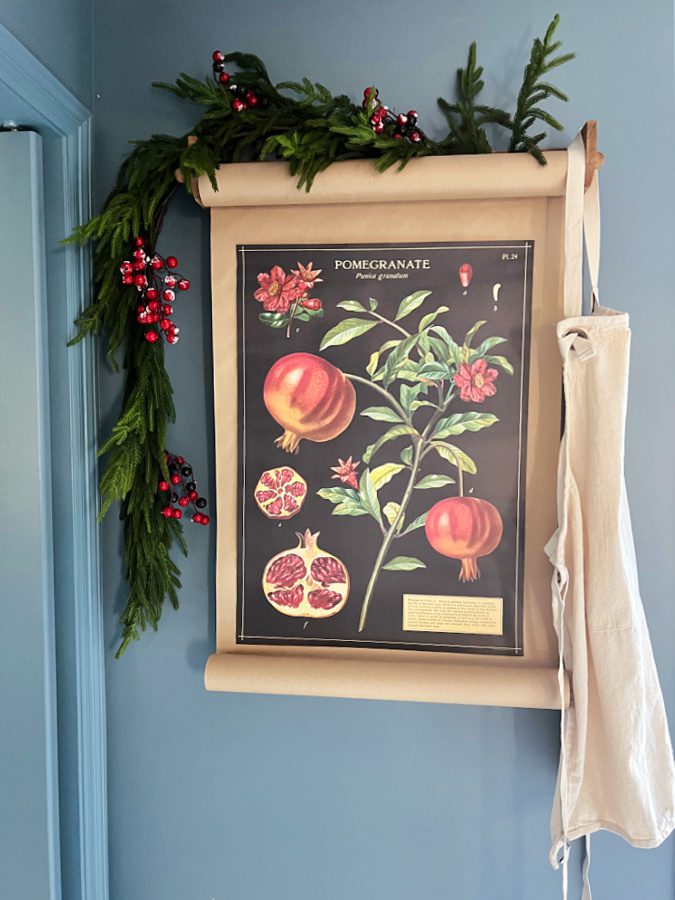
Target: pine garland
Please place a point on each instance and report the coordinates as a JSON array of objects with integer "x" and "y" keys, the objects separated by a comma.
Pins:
[{"x": 310, "y": 129}]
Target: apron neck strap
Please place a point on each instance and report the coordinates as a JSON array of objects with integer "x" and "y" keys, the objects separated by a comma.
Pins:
[{"x": 582, "y": 223}]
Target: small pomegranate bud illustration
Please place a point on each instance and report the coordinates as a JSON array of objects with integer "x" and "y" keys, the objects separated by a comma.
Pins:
[{"x": 306, "y": 581}]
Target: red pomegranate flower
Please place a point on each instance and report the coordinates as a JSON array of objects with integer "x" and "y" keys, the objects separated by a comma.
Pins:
[
  {"x": 346, "y": 472},
  {"x": 277, "y": 290},
  {"x": 476, "y": 381},
  {"x": 307, "y": 275}
]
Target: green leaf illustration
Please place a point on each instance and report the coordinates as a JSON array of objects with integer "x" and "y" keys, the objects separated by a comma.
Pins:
[
  {"x": 452, "y": 348},
  {"x": 404, "y": 564},
  {"x": 434, "y": 371},
  {"x": 347, "y": 501},
  {"x": 383, "y": 474},
  {"x": 434, "y": 481},
  {"x": 500, "y": 361},
  {"x": 471, "y": 333},
  {"x": 397, "y": 358},
  {"x": 455, "y": 456},
  {"x": 406, "y": 455},
  {"x": 381, "y": 414},
  {"x": 461, "y": 422},
  {"x": 409, "y": 394},
  {"x": 487, "y": 345},
  {"x": 417, "y": 403},
  {"x": 345, "y": 331},
  {"x": 274, "y": 320},
  {"x": 374, "y": 360},
  {"x": 368, "y": 496},
  {"x": 425, "y": 321},
  {"x": 351, "y": 306},
  {"x": 416, "y": 523},
  {"x": 372, "y": 302},
  {"x": 395, "y": 432},
  {"x": 410, "y": 303},
  {"x": 390, "y": 512}
]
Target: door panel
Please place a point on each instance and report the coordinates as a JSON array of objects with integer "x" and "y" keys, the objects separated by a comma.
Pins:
[{"x": 29, "y": 852}]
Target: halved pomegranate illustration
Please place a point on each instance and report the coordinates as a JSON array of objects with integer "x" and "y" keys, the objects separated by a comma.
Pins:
[
  {"x": 464, "y": 528},
  {"x": 310, "y": 398},
  {"x": 306, "y": 581},
  {"x": 280, "y": 493}
]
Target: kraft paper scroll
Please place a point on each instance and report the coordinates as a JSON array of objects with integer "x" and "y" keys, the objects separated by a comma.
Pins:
[{"x": 476, "y": 198}]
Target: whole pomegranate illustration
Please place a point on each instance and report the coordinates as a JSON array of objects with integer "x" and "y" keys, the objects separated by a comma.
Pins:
[
  {"x": 464, "y": 528},
  {"x": 280, "y": 493},
  {"x": 310, "y": 398},
  {"x": 306, "y": 581}
]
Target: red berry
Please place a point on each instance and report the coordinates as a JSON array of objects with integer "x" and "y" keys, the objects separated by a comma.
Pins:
[
  {"x": 138, "y": 254},
  {"x": 251, "y": 99},
  {"x": 172, "y": 338},
  {"x": 224, "y": 77},
  {"x": 164, "y": 324},
  {"x": 171, "y": 262},
  {"x": 177, "y": 514},
  {"x": 163, "y": 486},
  {"x": 217, "y": 56},
  {"x": 180, "y": 461},
  {"x": 170, "y": 281},
  {"x": 156, "y": 263},
  {"x": 401, "y": 119},
  {"x": 151, "y": 337},
  {"x": 197, "y": 518},
  {"x": 183, "y": 501},
  {"x": 154, "y": 305},
  {"x": 139, "y": 241},
  {"x": 412, "y": 114},
  {"x": 397, "y": 136},
  {"x": 127, "y": 279},
  {"x": 415, "y": 137},
  {"x": 238, "y": 106},
  {"x": 140, "y": 309},
  {"x": 205, "y": 520},
  {"x": 168, "y": 295},
  {"x": 379, "y": 128},
  {"x": 167, "y": 512},
  {"x": 183, "y": 285},
  {"x": 193, "y": 495},
  {"x": 175, "y": 478},
  {"x": 138, "y": 265},
  {"x": 167, "y": 309},
  {"x": 152, "y": 293},
  {"x": 140, "y": 280}
]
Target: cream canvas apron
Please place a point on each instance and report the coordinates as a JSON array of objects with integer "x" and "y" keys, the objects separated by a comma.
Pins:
[{"x": 616, "y": 763}]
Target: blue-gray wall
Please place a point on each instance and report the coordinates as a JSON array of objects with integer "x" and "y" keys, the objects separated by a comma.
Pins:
[
  {"x": 252, "y": 797},
  {"x": 59, "y": 34}
]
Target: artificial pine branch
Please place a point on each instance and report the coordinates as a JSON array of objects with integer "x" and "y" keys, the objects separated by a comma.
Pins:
[
  {"x": 535, "y": 91},
  {"x": 310, "y": 130}
]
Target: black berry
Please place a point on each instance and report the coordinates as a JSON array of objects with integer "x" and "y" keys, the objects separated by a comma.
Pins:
[
  {"x": 186, "y": 471},
  {"x": 191, "y": 486},
  {"x": 200, "y": 502}
]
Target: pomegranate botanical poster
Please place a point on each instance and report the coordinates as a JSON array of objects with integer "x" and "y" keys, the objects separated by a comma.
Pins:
[{"x": 383, "y": 420}]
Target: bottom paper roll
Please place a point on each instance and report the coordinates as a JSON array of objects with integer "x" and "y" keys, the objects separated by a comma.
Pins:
[{"x": 479, "y": 685}]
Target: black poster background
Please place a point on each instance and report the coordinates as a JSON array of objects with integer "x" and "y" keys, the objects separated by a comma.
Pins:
[{"x": 499, "y": 451}]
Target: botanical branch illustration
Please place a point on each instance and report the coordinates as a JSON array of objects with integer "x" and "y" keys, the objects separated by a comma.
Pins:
[{"x": 419, "y": 375}]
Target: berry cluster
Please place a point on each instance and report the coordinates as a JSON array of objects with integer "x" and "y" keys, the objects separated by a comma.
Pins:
[
  {"x": 403, "y": 125},
  {"x": 243, "y": 97},
  {"x": 181, "y": 478},
  {"x": 155, "y": 280}
]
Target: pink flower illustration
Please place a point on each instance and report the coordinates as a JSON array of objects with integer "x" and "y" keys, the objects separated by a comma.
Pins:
[
  {"x": 277, "y": 290},
  {"x": 306, "y": 275},
  {"x": 475, "y": 381},
  {"x": 346, "y": 472}
]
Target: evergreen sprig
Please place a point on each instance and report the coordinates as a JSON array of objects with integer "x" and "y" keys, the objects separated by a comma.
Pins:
[
  {"x": 534, "y": 92},
  {"x": 304, "y": 124}
]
